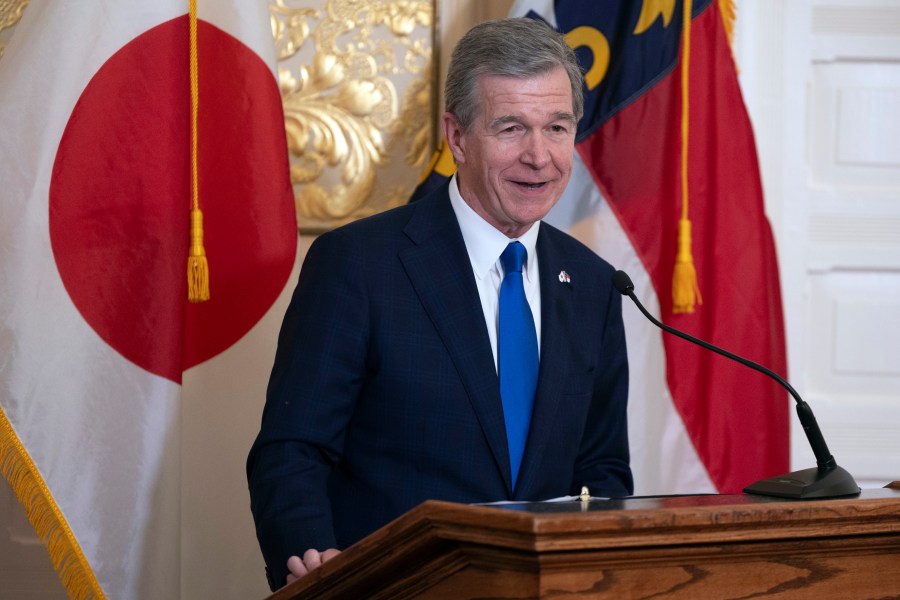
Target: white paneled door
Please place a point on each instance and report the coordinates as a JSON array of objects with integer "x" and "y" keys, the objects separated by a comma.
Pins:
[{"x": 822, "y": 81}]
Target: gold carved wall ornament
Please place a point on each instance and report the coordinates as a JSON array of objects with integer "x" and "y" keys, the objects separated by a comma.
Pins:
[
  {"x": 357, "y": 85},
  {"x": 10, "y": 13}
]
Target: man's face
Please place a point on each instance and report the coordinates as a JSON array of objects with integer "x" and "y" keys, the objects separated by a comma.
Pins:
[{"x": 515, "y": 160}]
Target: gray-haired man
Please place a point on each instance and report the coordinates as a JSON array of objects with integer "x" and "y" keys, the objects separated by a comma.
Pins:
[{"x": 392, "y": 383}]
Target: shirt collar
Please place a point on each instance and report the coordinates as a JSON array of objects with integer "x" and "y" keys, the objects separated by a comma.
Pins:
[{"x": 484, "y": 242}]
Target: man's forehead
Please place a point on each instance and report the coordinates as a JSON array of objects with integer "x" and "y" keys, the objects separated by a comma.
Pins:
[
  {"x": 558, "y": 115},
  {"x": 491, "y": 80},
  {"x": 505, "y": 99}
]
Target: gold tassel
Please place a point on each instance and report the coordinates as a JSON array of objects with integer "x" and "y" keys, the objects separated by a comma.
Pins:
[
  {"x": 685, "y": 291},
  {"x": 198, "y": 268}
]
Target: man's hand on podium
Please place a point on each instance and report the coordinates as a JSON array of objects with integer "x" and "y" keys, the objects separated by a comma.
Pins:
[{"x": 312, "y": 558}]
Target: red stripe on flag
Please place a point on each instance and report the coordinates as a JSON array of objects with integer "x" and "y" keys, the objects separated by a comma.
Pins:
[{"x": 737, "y": 419}]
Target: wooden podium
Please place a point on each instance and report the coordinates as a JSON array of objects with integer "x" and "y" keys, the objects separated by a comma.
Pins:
[{"x": 661, "y": 547}]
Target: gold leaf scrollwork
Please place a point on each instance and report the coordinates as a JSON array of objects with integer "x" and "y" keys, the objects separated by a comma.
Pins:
[
  {"x": 340, "y": 101},
  {"x": 333, "y": 120},
  {"x": 401, "y": 17},
  {"x": 10, "y": 13},
  {"x": 417, "y": 101}
]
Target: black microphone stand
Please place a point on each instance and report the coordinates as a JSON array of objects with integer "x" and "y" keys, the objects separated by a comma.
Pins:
[{"x": 827, "y": 480}]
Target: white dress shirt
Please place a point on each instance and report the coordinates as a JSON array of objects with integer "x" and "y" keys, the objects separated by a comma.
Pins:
[{"x": 485, "y": 244}]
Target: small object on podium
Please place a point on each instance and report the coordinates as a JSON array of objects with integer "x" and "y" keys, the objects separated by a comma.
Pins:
[{"x": 585, "y": 494}]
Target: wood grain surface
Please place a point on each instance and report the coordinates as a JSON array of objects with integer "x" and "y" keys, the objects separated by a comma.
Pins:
[{"x": 738, "y": 546}]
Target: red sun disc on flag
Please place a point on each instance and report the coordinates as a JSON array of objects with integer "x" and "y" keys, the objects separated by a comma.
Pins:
[{"x": 120, "y": 197}]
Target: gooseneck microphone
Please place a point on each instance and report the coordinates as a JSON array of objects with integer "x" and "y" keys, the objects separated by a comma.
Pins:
[{"x": 827, "y": 480}]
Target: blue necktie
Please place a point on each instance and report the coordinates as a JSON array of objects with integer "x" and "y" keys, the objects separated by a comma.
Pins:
[{"x": 517, "y": 355}]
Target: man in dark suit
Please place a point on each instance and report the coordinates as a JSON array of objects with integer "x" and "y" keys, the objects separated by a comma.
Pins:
[{"x": 395, "y": 379}]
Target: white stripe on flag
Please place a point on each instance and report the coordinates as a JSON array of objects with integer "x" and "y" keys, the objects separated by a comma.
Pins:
[
  {"x": 663, "y": 458},
  {"x": 103, "y": 433}
]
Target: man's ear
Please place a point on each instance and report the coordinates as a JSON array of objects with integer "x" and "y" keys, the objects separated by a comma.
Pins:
[{"x": 453, "y": 133}]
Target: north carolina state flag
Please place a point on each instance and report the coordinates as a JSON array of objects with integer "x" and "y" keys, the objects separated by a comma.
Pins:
[
  {"x": 95, "y": 328},
  {"x": 698, "y": 422}
]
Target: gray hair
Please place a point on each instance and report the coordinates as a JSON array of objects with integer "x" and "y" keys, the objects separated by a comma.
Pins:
[{"x": 518, "y": 47}]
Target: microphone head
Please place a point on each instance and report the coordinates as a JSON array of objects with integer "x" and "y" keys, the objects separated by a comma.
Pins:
[{"x": 622, "y": 282}]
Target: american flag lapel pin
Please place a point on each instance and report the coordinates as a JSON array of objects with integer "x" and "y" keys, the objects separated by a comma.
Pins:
[{"x": 564, "y": 277}]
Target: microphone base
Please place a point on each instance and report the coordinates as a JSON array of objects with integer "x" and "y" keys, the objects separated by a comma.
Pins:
[{"x": 807, "y": 484}]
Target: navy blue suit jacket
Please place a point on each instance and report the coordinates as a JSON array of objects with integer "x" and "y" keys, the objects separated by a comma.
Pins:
[{"x": 384, "y": 391}]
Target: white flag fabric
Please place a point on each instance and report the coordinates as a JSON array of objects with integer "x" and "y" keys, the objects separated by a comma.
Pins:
[
  {"x": 663, "y": 459},
  {"x": 95, "y": 328},
  {"x": 697, "y": 422}
]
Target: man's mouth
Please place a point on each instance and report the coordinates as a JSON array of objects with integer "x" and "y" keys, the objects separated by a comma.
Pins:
[{"x": 531, "y": 185}]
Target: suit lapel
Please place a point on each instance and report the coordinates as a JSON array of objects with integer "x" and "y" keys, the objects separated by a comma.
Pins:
[
  {"x": 556, "y": 322},
  {"x": 439, "y": 268}
]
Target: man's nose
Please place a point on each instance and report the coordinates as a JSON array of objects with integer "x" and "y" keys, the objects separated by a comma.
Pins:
[{"x": 536, "y": 152}]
